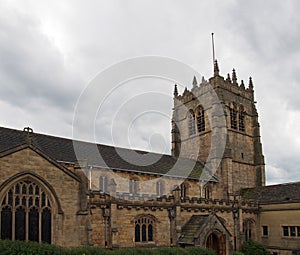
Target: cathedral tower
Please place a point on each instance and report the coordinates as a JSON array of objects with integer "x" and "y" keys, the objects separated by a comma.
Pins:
[{"x": 195, "y": 121}]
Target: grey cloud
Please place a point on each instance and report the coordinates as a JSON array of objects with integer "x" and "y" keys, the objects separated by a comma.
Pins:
[
  {"x": 259, "y": 38},
  {"x": 31, "y": 67}
]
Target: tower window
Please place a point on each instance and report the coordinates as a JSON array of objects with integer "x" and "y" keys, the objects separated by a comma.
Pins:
[
  {"x": 200, "y": 120},
  {"x": 192, "y": 129},
  {"x": 144, "y": 230},
  {"x": 233, "y": 117},
  {"x": 26, "y": 213},
  {"x": 242, "y": 119},
  {"x": 103, "y": 183}
]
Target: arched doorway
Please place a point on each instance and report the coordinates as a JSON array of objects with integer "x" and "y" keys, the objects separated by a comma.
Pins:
[{"x": 217, "y": 242}]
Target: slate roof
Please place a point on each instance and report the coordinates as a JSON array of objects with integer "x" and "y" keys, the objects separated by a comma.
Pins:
[
  {"x": 191, "y": 228},
  {"x": 287, "y": 192},
  {"x": 62, "y": 150}
]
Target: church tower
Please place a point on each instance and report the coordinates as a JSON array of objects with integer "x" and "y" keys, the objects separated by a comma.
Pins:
[{"x": 229, "y": 136}]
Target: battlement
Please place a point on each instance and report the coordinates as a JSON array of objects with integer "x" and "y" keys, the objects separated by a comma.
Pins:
[
  {"x": 151, "y": 202},
  {"x": 217, "y": 82}
]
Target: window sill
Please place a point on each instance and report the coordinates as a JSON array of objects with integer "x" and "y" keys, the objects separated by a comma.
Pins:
[{"x": 145, "y": 244}]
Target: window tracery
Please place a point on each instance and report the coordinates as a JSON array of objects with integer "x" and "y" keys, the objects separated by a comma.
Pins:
[
  {"x": 144, "y": 229},
  {"x": 26, "y": 213}
]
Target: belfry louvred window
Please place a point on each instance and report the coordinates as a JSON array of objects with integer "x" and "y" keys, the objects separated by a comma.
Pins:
[
  {"x": 200, "y": 119},
  {"x": 26, "y": 213},
  {"x": 233, "y": 116},
  {"x": 241, "y": 119}
]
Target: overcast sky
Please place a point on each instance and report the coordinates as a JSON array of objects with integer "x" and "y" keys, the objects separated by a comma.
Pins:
[{"x": 51, "y": 50}]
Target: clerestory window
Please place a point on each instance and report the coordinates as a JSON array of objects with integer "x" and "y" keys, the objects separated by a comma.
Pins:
[
  {"x": 132, "y": 186},
  {"x": 159, "y": 188},
  {"x": 103, "y": 184}
]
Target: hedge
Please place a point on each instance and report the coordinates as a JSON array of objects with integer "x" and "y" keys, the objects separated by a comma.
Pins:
[{"x": 32, "y": 248}]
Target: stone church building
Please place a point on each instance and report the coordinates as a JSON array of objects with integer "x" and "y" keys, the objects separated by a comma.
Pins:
[{"x": 210, "y": 192}]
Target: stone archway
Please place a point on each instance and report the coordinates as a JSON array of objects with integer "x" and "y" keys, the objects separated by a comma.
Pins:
[
  {"x": 206, "y": 231},
  {"x": 217, "y": 242}
]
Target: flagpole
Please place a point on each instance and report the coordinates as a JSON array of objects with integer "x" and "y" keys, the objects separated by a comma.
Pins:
[{"x": 213, "y": 47}]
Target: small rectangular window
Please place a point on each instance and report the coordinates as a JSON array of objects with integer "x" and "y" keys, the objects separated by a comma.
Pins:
[
  {"x": 285, "y": 231},
  {"x": 298, "y": 231},
  {"x": 265, "y": 230},
  {"x": 293, "y": 231}
]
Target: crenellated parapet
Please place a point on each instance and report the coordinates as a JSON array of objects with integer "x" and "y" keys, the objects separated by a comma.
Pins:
[{"x": 187, "y": 204}]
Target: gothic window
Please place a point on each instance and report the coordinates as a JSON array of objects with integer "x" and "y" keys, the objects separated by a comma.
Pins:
[
  {"x": 132, "y": 186},
  {"x": 241, "y": 119},
  {"x": 233, "y": 116},
  {"x": 183, "y": 190},
  {"x": 200, "y": 119},
  {"x": 248, "y": 225},
  {"x": 137, "y": 232},
  {"x": 26, "y": 213},
  {"x": 192, "y": 128},
  {"x": 159, "y": 188},
  {"x": 144, "y": 227},
  {"x": 103, "y": 183}
]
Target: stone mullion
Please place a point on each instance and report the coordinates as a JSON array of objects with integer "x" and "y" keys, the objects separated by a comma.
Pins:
[
  {"x": 147, "y": 231},
  {"x": 40, "y": 209},
  {"x": 13, "y": 209},
  {"x": 26, "y": 213}
]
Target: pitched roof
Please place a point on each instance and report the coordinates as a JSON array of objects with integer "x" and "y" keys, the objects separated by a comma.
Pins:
[
  {"x": 191, "y": 228},
  {"x": 197, "y": 225},
  {"x": 68, "y": 150},
  {"x": 287, "y": 192}
]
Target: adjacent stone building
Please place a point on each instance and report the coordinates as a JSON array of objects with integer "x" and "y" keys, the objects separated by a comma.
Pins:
[{"x": 210, "y": 192}]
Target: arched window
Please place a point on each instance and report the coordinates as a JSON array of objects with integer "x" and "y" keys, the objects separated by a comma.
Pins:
[
  {"x": 103, "y": 183},
  {"x": 248, "y": 225},
  {"x": 242, "y": 119},
  {"x": 183, "y": 190},
  {"x": 200, "y": 119},
  {"x": 144, "y": 229},
  {"x": 233, "y": 116},
  {"x": 132, "y": 186},
  {"x": 159, "y": 188},
  {"x": 26, "y": 213},
  {"x": 192, "y": 128}
]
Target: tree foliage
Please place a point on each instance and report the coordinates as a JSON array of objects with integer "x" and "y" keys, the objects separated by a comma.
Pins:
[{"x": 250, "y": 248}]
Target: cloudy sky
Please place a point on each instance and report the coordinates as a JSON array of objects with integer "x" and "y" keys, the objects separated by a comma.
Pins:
[{"x": 50, "y": 51}]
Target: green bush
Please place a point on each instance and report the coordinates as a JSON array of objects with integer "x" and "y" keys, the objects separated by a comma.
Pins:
[
  {"x": 237, "y": 253},
  {"x": 32, "y": 248},
  {"x": 250, "y": 248}
]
